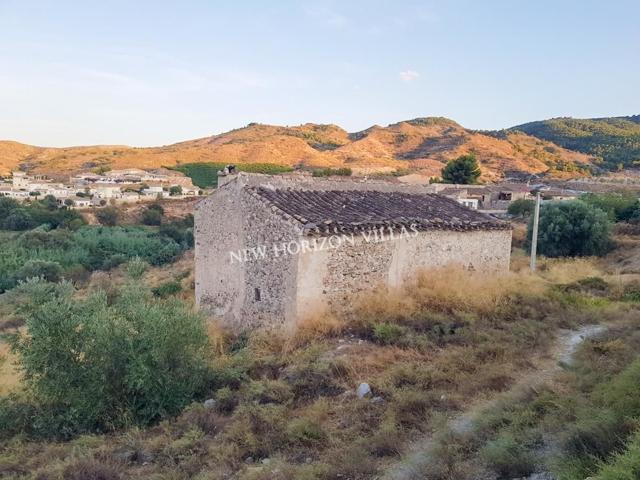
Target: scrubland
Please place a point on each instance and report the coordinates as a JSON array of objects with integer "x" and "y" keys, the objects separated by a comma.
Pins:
[{"x": 285, "y": 404}]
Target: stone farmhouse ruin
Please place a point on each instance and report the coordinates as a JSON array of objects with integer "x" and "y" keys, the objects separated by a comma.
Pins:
[{"x": 271, "y": 250}]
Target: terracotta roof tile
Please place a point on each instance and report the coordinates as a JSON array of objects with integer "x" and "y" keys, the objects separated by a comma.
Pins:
[{"x": 332, "y": 211}]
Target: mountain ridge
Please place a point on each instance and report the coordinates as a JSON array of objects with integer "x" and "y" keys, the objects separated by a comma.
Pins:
[
  {"x": 422, "y": 144},
  {"x": 613, "y": 141}
]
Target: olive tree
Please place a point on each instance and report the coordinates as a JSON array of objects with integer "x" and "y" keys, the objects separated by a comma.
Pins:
[{"x": 572, "y": 229}]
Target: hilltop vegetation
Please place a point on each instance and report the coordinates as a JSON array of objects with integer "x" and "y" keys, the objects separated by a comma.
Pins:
[
  {"x": 421, "y": 144},
  {"x": 615, "y": 140}
]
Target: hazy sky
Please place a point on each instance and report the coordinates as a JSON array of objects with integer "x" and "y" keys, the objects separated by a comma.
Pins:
[{"x": 144, "y": 72}]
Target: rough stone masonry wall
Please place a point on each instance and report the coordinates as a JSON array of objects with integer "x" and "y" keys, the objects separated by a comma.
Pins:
[
  {"x": 242, "y": 292},
  {"x": 270, "y": 282},
  {"x": 330, "y": 279},
  {"x": 218, "y": 230}
]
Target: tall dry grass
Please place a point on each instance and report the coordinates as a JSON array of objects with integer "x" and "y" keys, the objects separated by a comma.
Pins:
[
  {"x": 9, "y": 374},
  {"x": 454, "y": 289}
]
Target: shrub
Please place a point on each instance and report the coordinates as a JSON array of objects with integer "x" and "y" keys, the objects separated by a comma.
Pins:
[
  {"x": 90, "y": 470},
  {"x": 152, "y": 215},
  {"x": 305, "y": 432},
  {"x": 175, "y": 190},
  {"x": 108, "y": 216},
  {"x": 619, "y": 206},
  {"x": 167, "y": 289},
  {"x": 95, "y": 364},
  {"x": 462, "y": 170},
  {"x": 508, "y": 457},
  {"x": 388, "y": 333},
  {"x": 521, "y": 207},
  {"x": 49, "y": 271},
  {"x": 625, "y": 465},
  {"x": 327, "y": 172},
  {"x": 572, "y": 228}
]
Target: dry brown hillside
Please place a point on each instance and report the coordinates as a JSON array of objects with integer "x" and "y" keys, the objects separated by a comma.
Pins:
[{"x": 423, "y": 144}]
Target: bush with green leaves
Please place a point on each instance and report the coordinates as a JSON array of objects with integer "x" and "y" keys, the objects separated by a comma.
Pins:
[
  {"x": 167, "y": 289},
  {"x": 48, "y": 271},
  {"x": 572, "y": 229},
  {"x": 92, "y": 248},
  {"x": 619, "y": 206},
  {"x": 463, "y": 170},
  {"x": 27, "y": 215},
  {"x": 521, "y": 207},
  {"x": 152, "y": 215},
  {"x": 175, "y": 190},
  {"x": 100, "y": 363},
  {"x": 108, "y": 216}
]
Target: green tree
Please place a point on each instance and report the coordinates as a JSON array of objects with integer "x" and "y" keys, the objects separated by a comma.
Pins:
[
  {"x": 521, "y": 208},
  {"x": 462, "y": 170},
  {"x": 152, "y": 216},
  {"x": 175, "y": 190},
  {"x": 619, "y": 206},
  {"x": 572, "y": 229},
  {"x": 108, "y": 216},
  {"x": 98, "y": 363}
]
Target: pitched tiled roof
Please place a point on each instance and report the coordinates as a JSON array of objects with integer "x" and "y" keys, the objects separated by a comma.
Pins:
[{"x": 322, "y": 212}]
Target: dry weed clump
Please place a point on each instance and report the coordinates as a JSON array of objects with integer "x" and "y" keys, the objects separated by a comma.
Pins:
[
  {"x": 313, "y": 327},
  {"x": 447, "y": 290}
]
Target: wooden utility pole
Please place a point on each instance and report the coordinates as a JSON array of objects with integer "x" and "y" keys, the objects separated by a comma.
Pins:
[{"x": 534, "y": 236}]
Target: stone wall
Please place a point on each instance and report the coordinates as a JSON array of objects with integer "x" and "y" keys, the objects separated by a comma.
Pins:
[
  {"x": 232, "y": 283},
  {"x": 330, "y": 279},
  {"x": 245, "y": 290}
]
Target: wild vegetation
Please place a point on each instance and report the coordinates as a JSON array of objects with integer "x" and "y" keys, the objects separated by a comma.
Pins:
[
  {"x": 54, "y": 242},
  {"x": 327, "y": 172},
  {"x": 282, "y": 405},
  {"x": 117, "y": 376},
  {"x": 615, "y": 140},
  {"x": 25, "y": 216}
]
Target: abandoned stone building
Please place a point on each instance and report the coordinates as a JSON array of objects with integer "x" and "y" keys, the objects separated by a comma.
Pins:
[{"x": 272, "y": 250}]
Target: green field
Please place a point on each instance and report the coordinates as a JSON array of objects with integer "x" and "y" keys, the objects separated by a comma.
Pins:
[{"x": 205, "y": 175}]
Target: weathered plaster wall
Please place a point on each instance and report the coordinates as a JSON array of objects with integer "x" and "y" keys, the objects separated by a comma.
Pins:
[{"x": 329, "y": 279}]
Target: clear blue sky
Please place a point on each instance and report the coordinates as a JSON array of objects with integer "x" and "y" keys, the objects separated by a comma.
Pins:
[{"x": 144, "y": 72}]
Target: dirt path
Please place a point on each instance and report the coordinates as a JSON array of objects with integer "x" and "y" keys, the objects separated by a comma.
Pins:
[{"x": 419, "y": 456}]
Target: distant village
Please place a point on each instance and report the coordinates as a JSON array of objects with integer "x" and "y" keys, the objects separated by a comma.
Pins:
[
  {"x": 133, "y": 185},
  {"x": 87, "y": 190}
]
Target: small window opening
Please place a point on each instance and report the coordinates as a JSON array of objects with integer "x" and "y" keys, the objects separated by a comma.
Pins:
[{"x": 256, "y": 293}]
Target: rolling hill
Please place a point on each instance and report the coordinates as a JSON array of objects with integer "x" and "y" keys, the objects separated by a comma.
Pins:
[
  {"x": 422, "y": 144},
  {"x": 615, "y": 141}
]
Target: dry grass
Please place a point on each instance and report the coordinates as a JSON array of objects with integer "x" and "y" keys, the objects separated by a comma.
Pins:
[
  {"x": 449, "y": 289},
  {"x": 314, "y": 327},
  {"x": 9, "y": 375}
]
